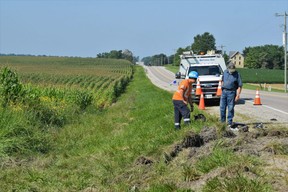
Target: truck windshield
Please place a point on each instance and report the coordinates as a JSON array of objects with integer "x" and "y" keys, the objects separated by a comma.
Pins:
[{"x": 206, "y": 70}]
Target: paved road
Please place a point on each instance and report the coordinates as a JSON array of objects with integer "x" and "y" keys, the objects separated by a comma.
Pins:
[{"x": 274, "y": 105}]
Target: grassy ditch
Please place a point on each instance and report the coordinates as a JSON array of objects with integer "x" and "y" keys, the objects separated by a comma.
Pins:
[{"x": 125, "y": 147}]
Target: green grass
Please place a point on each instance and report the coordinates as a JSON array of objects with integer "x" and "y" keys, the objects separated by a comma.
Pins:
[
  {"x": 255, "y": 87},
  {"x": 172, "y": 68},
  {"x": 237, "y": 183},
  {"x": 102, "y": 146},
  {"x": 262, "y": 75},
  {"x": 99, "y": 150},
  {"x": 218, "y": 158}
]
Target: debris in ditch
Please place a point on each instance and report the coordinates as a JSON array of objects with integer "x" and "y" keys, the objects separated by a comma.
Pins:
[
  {"x": 134, "y": 188},
  {"x": 143, "y": 161},
  {"x": 273, "y": 119},
  {"x": 200, "y": 117},
  {"x": 274, "y": 133},
  {"x": 229, "y": 134},
  {"x": 177, "y": 149},
  {"x": 192, "y": 140},
  {"x": 208, "y": 134},
  {"x": 241, "y": 127},
  {"x": 258, "y": 126},
  {"x": 192, "y": 152},
  {"x": 244, "y": 128}
]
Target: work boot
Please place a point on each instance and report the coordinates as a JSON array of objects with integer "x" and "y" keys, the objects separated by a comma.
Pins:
[
  {"x": 232, "y": 127},
  {"x": 177, "y": 127},
  {"x": 187, "y": 123}
]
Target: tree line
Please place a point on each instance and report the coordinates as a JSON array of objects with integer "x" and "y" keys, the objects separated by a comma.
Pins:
[
  {"x": 119, "y": 54},
  {"x": 265, "y": 56},
  {"x": 202, "y": 43}
]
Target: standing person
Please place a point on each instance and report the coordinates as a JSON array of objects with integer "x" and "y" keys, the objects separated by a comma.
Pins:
[
  {"x": 231, "y": 89},
  {"x": 181, "y": 98}
]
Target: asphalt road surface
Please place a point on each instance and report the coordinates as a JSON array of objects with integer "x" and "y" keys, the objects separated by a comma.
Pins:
[{"x": 274, "y": 108}]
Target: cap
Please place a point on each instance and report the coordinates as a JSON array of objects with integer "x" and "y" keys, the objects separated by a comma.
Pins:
[{"x": 231, "y": 66}]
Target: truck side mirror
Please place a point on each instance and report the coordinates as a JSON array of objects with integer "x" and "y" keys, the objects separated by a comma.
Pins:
[{"x": 178, "y": 75}]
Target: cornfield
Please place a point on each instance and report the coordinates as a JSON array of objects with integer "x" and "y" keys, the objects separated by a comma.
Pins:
[
  {"x": 40, "y": 93},
  {"x": 60, "y": 77}
]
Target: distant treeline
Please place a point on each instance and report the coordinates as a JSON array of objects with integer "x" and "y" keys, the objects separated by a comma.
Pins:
[
  {"x": 159, "y": 59},
  {"x": 119, "y": 54}
]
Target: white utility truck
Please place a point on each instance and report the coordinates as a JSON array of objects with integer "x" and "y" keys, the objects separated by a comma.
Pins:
[{"x": 210, "y": 68}]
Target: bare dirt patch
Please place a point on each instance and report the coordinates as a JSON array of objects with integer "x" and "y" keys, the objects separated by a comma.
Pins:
[{"x": 269, "y": 146}]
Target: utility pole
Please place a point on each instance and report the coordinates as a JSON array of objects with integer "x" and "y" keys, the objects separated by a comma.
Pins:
[
  {"x": 285, "y": 48},
  {"x": 222, "y": 46}
]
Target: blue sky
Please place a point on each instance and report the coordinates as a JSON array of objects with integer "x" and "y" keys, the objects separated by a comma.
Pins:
[{"x": 145, "y": 27}]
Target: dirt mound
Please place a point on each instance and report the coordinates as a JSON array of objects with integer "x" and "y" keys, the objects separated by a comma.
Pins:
[
  {"x": 192, "y": 140},
  {"x": 269, "y": 146}
]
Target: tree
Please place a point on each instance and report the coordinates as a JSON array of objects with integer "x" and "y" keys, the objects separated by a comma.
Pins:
[
  {"x": 203, "y": 43},
  {"x": 128, "y": 55},
  {"x": 170, "y": 59},
  {"x": 267, "y": 56},
  {"x": 160, "y": 59},
  {"x": 226, "y": 58},
  {"x": 146, "y": 60},
  {"x": 135, "y": 59},
  {"x": 179, "y": 52},
  {"x": 114, "y": 54}
]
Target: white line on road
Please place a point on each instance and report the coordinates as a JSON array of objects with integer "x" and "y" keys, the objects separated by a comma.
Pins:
[{"x": 272, "y": 108}]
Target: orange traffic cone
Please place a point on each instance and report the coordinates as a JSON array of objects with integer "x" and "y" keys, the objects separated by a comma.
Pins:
[
  {"x": 257, "y": 100},
  {"x": 201, "y": 102},
  {"x": 198, "y": 88},
  {"x": 219, "y": 89}
]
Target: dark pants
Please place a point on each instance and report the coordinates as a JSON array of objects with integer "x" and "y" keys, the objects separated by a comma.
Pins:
[
  {"x": 181, "y": 110},
  {"x": 227, "y": 101}
]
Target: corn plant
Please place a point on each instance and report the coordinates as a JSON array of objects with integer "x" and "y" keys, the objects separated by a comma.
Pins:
[{"x": 11, "y": 88}]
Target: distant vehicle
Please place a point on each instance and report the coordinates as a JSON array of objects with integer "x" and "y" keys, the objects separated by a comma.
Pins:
[{"x": 210, "y": 68}]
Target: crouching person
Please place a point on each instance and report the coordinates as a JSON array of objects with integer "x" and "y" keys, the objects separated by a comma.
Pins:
[{"x": 181, "y": 98}]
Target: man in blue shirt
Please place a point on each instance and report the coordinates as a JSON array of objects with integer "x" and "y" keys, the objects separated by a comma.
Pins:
[{"x": 231, "y": 89}]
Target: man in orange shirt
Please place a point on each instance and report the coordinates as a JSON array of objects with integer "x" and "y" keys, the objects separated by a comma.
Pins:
[{"x": 181, "y": 98}]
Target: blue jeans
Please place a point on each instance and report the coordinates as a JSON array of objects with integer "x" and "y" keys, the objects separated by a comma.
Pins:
[{"x": 227, "y": 100}]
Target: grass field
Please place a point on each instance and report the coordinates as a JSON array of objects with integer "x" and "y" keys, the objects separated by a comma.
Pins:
[
  {"x": 262, "y": 75},
  {"x": 127, "y": 146},
  {"x": 172, "y": 68}
]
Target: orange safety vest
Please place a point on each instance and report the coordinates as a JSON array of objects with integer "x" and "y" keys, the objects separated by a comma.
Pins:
[{"x": 186, "y": 87}]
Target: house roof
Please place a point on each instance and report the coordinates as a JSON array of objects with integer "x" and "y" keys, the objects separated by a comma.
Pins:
[{"x": 233, "y": 53}]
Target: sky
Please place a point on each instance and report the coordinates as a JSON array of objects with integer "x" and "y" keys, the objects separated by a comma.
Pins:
[{"x": 146, "y": 27}]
